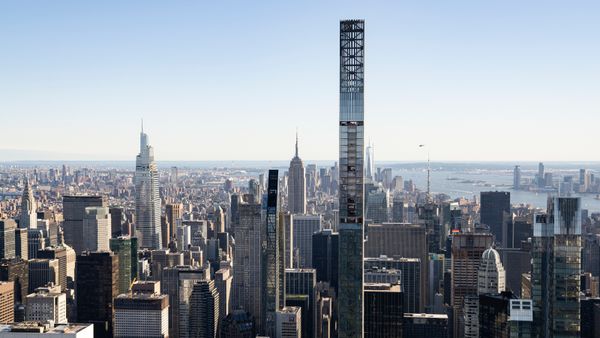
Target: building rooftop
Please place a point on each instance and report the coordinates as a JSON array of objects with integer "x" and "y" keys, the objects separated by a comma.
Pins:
[
  {"x": 47, "y": 328},
  {"x": 425, "y": 315}
]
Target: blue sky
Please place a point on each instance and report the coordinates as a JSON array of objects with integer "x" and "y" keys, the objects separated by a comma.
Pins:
[{"x": 220, "y": 80}]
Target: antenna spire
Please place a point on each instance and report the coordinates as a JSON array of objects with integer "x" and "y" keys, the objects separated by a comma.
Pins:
[
  {"x": 142, "y": 125},
  {"x": 296, "y": 142}
]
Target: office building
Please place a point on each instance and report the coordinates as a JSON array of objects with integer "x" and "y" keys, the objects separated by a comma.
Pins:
[
  {"x": 425, "y": 325},
  {"x": 177, "y": 282},
  {"x": 272, "y": 270},
  {"x": 7, "y": 302},
  {"x": 15, "y": 270},
  {"x": 42, "y": 272},
  {"x": 383, "y": 310},
  {"x": 495, "y": 213},
  {"x": 7, "y": 238},
  {"x": 96, "y": 229},
  {"x": 377, "y": 206},
  {"x": 247, "y": 281},
  {"x": 517, "y": 178},
  {"x": 325, "y": 251},
  {"x": 467, "y": 250},
  {"x": 223, "y": 283},
  {"x": 147, "y": 199},
  {"x": 491, "y": 277},
  {"x": 41, "y": 330},
  {"x": 142, "y": 313},
  {"x": 297, "y": 185},
  {"x": 96, "y": 286},
  {"x": 401, "y": 240},
  {"x": 35, "y": 242},
  {"x": 304, "y": 226},
  {"x": 173, "y": 211},
  {"x": 556, "y": 267},
  {"x": 28, "y": 218},
  {"x": 46, "y": 304},
  {"x": 204, "y": 310},
  {"x": 21, "y": 244},
  {"x": 494, "y": 314},
  {"x": 409, "y": 272},
  {"x": 351, "y": 176},
  {"x": 126, "y": 248},
  {"x": 238, "y": 324},
  {"x": 117, "y": 219},
  {"x": 370, "y": 163},
  {"x": 288, "y": 323},
  {"x": 302, "y": 283},
  {"x": 73, "y": 213},
  {"x": 66, "y": 262},
  {"x": 520, "y": 318}
]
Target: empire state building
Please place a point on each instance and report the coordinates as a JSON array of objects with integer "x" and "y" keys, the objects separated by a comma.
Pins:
[{"x": 147, "y": 199}]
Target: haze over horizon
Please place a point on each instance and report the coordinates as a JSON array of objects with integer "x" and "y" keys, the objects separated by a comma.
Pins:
[{"x": 506, "y": 81}]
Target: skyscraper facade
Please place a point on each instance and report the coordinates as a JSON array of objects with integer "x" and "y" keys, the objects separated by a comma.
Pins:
[
  {"x": 126, "y": 248},
  {"x": 147, "y": 199},
  {"x": 370, "y": 163},
  {"x": 495, "y": 213},
  {"x": 247, "y": 281},
  {"x": 204, "y": 310},
  {"x": 383, "y": 310},
  {"x": 467, "y": 250},
  {"x": 28, "y": 209},
  {"x": 96, "y": 229},
  {"x": 271, "y": 267},
  {"x": 97, "y": 275},
  {"x": 297, "y": 185},
  {"x": 351, "y": 195},
  {"x": 73, "y": 213},
  {"x": 7, "y": 238},
  {"x": 303, "y": 227},
  {"x": 556, "y": 268}
]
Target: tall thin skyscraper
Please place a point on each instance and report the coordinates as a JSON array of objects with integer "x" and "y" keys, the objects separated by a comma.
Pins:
[
  {"x": 147, "y": 199},
  {"x": 248, "y": 251},
  {"x": 297, "y": 185},
  {"x": 350, "y": 298},
  {"x": 272, "y": 268},
  {"x": 28, "y": 208},
  {"x": 370, "y": 163}
]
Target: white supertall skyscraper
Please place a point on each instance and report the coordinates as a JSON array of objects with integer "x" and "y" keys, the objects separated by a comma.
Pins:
[
  {"x": 147, "y": 199},
  {"x": 28, "y": 218}
]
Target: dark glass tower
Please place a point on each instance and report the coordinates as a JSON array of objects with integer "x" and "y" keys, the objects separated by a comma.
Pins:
[
  {"x": 350, "y": 298},
  {"x": 272, "y": 268},
  {"x": 495, "y": 213}
]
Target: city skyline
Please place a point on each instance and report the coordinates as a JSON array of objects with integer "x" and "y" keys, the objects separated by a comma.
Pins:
[{"x": 470, "y": 65}]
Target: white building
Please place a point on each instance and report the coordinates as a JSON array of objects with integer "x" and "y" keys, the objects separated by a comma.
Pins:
[
  {"x": 39, "y": 330},
  {"x": 147, "y": 199},
  {"x": 142, "y": 313},
  {"x": 288, "y": 323},
  {"x": 28, "y": 218},
  {"x": 46, "y": 304},
  {"x": 491, "y": 277},
  {"x": 96, "y": 229}
]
